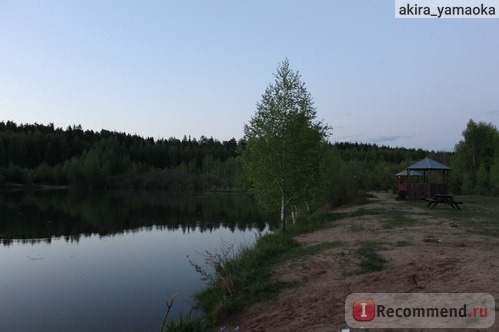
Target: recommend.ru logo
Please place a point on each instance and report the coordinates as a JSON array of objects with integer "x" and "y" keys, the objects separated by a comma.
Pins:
[{"x": 420, "y": 310}]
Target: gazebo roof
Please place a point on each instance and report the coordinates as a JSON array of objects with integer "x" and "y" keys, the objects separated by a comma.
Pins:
[
  {"x": 428, "y": 164},
  {"x": 409, "y": 172}
]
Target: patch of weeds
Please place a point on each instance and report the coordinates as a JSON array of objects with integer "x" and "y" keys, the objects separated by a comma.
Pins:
[
  {"x": 370, "y": 259},
  {"x": 484, "y": 228},
  {"x": 304, "y": 251},
  {"x": 402, "y": 244},
  {"x": 375, "y": 245},
  {"x": 311, "y": 223},
  {"x": 363, "y": 259},
  {"x": 366, "y": 212},
  {"x": 187, "y": 323},
  {"x": 397, "y": 219},
  {"x": 237, "y": 276},
  {"x": 356, "y": 228},
  {"x": 345, "y": 263}
]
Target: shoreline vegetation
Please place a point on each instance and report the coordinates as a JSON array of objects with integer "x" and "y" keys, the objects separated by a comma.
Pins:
[
  {"x": 239, "y": 276},
  {"x": 34, "y": 187},
  {"x": 45, "y": 187}
]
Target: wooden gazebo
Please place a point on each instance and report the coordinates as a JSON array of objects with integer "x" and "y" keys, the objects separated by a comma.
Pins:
[
  {"x": 403, "y": 180},
  {"x": 435, "y": 179}
]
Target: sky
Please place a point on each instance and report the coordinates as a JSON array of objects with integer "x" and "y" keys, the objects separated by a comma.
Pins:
[{"x": 172, "y": 68}]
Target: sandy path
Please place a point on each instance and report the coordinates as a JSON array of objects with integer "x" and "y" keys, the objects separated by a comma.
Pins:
[{"x": 440, "y": 258}]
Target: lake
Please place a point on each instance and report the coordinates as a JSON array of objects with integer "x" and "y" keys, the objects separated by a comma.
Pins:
[{"x": 109, "y": 261}]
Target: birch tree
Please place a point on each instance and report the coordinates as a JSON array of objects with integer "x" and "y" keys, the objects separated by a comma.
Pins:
[{"x": 284, "y": 155}]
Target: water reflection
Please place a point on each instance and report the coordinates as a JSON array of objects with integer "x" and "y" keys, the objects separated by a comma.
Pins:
[
  {"x": 40, "y": 216},
  {"x": 107, "y": 261}
]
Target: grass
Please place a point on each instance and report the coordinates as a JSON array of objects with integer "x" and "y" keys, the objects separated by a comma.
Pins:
[
  {"x": 396, "y": 219},
  {"x": 478, "y": 214},
  {"x": 370, "y": 259},
  {"x": 345, "y": 263},
  {"x": 363, "y": 259},
  {"x": 366, "y": 212},
  {"x": 391, "y": 218},
  {"x": 300, "y": 252},
  {"x": 402, "y": 243},
  {"x": 241, "y": 276},
  {"x": 356, "y": 228},
  {"x": 187, "y": 323},
  {"x": 312, "y": 222}
]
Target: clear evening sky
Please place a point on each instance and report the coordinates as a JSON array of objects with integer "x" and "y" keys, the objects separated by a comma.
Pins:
[{"x": 173, "y": 68}]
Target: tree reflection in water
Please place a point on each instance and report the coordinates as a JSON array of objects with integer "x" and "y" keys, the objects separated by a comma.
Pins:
[{"x": 34, "y": 217}]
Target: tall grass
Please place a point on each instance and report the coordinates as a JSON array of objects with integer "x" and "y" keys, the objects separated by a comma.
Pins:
[
  {"x": 240, "y": 275},
  {"x": 187, "y": 323}
]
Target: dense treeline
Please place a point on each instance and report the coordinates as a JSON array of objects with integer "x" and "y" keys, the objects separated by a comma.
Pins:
[
  {"x": 475, "y": 166},
  {"x": 41, "y": 154},
  {"x": 35, "y": 154}
]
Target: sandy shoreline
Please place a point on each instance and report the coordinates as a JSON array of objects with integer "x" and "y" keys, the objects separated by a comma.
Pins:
[{"x": 430, "y": 255}]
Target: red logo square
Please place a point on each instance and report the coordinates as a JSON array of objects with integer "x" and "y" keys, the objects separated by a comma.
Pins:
[{"x": 363, "y": 310}]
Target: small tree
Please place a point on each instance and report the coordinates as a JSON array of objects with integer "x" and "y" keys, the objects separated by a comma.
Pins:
[{"x": 284, "y": 156}]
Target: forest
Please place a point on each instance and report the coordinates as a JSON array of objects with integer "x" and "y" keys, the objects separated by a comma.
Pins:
[
  {"x": 34, "y": 154},
  {"x": 39, "y": 156}
]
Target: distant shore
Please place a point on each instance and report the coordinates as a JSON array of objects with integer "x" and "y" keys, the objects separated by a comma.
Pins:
[{"x": 35, "y": 187}]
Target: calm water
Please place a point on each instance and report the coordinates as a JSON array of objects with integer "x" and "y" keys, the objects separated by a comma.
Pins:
[{"x": 108, "y": 261}]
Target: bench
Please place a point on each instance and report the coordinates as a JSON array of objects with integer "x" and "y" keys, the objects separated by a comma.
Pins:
[{"x": 447, "y": 199}]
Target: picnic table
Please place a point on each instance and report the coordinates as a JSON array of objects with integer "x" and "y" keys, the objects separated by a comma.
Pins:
[{"x": 447, "y": 199}]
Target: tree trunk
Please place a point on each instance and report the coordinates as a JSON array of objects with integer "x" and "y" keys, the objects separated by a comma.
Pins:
[
  {"x": 294, "y": 213},
  {"x": 283, "y": 220}
]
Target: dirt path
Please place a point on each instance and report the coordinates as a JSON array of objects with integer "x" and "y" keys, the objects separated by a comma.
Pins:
[{"x": 434, "y": 256}]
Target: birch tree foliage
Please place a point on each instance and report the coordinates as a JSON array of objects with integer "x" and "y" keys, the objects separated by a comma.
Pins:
[{"x": 284, "y": 156}]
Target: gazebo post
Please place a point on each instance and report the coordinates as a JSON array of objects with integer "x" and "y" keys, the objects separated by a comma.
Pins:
[
  {"x": 410, "y": 188},
  {"x": 428, "y": 194},
  {"x": 425, "y": 179}
]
